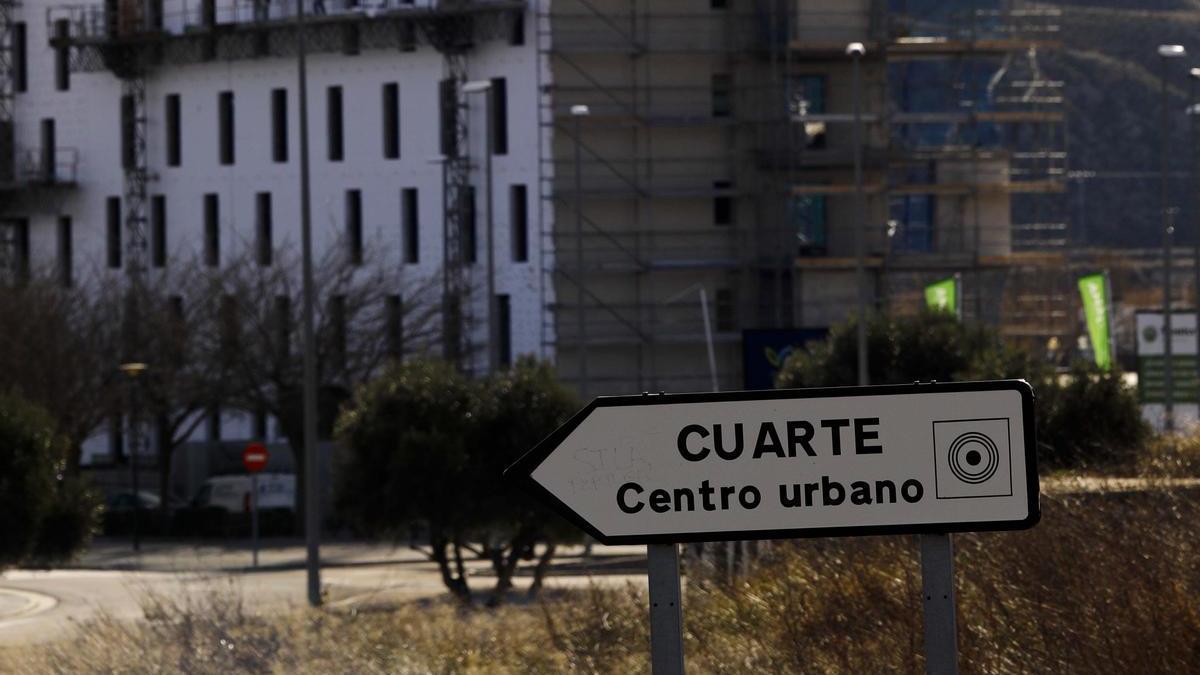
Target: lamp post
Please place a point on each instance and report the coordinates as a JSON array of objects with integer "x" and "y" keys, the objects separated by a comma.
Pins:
[
  {"x": 856, "y": 50},
  {"x": 485, "y": 87},
  {"x": 312, "y": 492},
  {"x": 1166, "y": 53},
  {"x": 1193, "y": 111},
  {"x": 578, "y": 112},
  {"x": 132, "y": 370}
]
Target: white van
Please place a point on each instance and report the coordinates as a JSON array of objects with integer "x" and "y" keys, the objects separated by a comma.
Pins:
[{"x": 276, "y": 491}]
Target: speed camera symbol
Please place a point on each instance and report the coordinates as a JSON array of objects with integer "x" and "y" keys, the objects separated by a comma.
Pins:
[{"x": 972, "y": 458}]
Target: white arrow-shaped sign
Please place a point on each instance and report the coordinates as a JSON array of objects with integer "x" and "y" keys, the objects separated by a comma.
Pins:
[{"x": 947, "y": 457}]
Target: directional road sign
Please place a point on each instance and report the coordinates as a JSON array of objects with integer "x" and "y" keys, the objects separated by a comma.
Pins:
[{"x": 946, "y": 457}]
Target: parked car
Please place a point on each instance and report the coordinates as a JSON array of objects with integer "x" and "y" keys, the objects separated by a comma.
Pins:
[
  {"x": 221, "y": 507},
  {"x": 119, "y": 508}
]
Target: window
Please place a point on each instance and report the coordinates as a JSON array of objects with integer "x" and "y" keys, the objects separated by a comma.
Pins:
[
  {"x": 333, "y": 119},
  {"x": 158, "y": 231},
  {"x": 725, "y": 309},
  {"x": 518, "y": 218},
  {"x": 21, "y": 234},
  {"x": 62, "y": 55},
  {"x": 65, "y": 251},
  {"x": 411, "y": 225},
  {"x": 447, "y": 116},
  {"x": 391, "y": 121},
  {"x": 337, "y": 326},
  {"x": 263, "y": 246},
  {"x": 283, "y": 329},
  {"x": 913, "y": 215},
  {"x": 516, "y": 35},
  {"x": 49, "y": 151},
  {"x": 722, "y": 203},
  {"x": 279, "y": 125},
  {"x": 128, "y": 119},
  {"x": 20, "y": 48},
  {"x": 722, "y": 95},
  {"x": 394, "y": 315},
  {"x": 468, "y": 239},
  {"x": 808, "y": 97},
  {"x": 499, "y": 112},
  {"x": 503, "y": 330},
  {"x": 354, "y": 229},
  {"x": 212, "y": 230},
  {"x": 806, "y": 218},
  {"x": 225, "y": 127},
  {"x": 112, "y": 209},
  {"x": 171, "y": 115}
]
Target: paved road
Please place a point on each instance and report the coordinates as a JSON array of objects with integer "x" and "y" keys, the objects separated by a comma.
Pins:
[{"x": 45, "y": 605}]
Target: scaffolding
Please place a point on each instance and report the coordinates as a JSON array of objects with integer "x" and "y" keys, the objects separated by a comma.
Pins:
[{"x": 764, "y": 140}]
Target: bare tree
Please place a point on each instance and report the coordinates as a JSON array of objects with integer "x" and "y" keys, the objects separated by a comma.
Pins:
[{"x": 365, "y": 314}]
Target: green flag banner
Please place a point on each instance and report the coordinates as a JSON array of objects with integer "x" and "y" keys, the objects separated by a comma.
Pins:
[
  {"x": 941, "y": 296},
  {"x": 1094, "y": 290}
]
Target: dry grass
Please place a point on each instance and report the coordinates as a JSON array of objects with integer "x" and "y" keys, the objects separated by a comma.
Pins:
[{"x": 1105, "y": 584}]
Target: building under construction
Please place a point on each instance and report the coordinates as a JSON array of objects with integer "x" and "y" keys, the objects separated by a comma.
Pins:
[{"x": 716, "y": 157}]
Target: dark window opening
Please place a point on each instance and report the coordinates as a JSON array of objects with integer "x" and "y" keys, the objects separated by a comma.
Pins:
[
  {"x": 128, "y": 119},
  {"x": 722, "y": 95},
  {"x": 20, "y": 49},
  {"x": 21, "y": 235},
  {"x": 518, "y": 210},
  {"x": 65, "y": 252},
  {"x": 225, "y": 130},
  {"x": 447, "y": 116},
  {"x": 411, "y": 225},
  {"x": 516, "y": 36},
  {"x": 158, "y": 231},
  {"x": 62, "y": 55},
  {"x": 212, "y": 230},
  {"x": 499, "y": 112},
  {"x": 171, "y": 115},
  {"x": 468, "y": 242},
  {"x": 807, "y": 220},
  {"x": 914, "y": 218},
  {"x": 354, "y": 227},
  {"x": 112, "y": 210},
  {"x": 49, "y": 151},
  {"x": 808, "y": 97},
  {"x": 391, "y": 121},
  {"x": 263, "y": 245},
  {"x": 279, "y": 125},
  {"x": 503, "y": 330},
  {"x": 722, "y": 203},
  {"x": 333, "y": 119}
]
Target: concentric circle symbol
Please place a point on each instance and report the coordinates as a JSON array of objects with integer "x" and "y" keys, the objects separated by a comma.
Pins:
[{"x": 973, "y": 457}]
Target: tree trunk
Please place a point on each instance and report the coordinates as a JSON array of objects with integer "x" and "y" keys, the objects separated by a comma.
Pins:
[
  {"x": 539, "y": 571},
  {"x": 458, "y": 587}
]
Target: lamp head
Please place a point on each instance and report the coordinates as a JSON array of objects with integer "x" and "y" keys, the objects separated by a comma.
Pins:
[
  {"x": 580, "y": 110},
  {"x": 1171, "y": 51},
  {"x": 856, "y": 49}
]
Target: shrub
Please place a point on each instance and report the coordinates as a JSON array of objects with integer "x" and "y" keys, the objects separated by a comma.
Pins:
[
  {"x": 43, "y": 517},
  {"x": 1084, "y": 418},
  {"x": 421, "y": 444}
]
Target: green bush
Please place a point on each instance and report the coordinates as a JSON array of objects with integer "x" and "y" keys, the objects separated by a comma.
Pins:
[
  {"x": 422, "y": 445},
  {"x": 43, "y": 516},
  {"x": 1085, "y": 418}
]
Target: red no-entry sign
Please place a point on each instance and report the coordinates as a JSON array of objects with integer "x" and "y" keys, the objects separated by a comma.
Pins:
[{"x": 255, "y": 457}]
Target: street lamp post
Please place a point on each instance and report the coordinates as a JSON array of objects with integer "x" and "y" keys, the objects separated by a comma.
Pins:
[
  {"x": 485, "y": 87},
  {"x": 1167, "y": 52},
  {"x": 132, "y": 370},
  {"x": 312, "y": 491},
  {"x": 856, "y": 50},
  {"x": 578, "y": 112},
  {"x": 1193, "y": 112}
]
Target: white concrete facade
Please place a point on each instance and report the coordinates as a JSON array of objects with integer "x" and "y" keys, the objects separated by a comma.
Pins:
[{"x": 87, "y": 118}]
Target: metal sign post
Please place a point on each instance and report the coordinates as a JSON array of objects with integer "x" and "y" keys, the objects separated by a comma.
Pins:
[
  {"x": 666, "y": 609},
  {"x": 254, "y": 516},
  {"x": 937, "y": 596}
]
